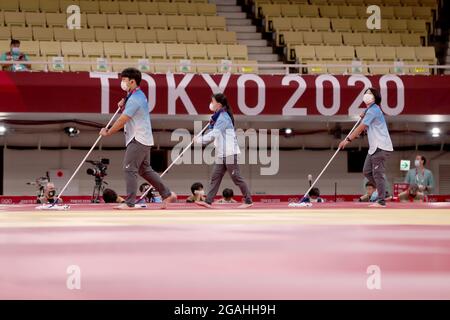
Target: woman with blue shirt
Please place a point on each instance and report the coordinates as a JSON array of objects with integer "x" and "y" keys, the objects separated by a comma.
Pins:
[
  {"x": 226, "y": 148},
  {"x": 380, "y": 144}
]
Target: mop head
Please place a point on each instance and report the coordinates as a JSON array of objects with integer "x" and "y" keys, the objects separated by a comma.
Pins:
[
  {"x": 300, "y": 204},
  {"x": 56, "y": 207}
]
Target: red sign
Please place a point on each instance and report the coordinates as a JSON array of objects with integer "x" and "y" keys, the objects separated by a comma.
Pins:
[{"x": 248, "y": 94}]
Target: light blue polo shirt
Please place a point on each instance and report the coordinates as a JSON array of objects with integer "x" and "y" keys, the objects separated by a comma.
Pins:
[
  {"x": 377, "y": 130},
  {"x": 139, "y": 126}
]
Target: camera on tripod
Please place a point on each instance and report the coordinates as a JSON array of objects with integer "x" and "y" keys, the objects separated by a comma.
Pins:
[
  {"x": 99, "y": 169},
  {"x": 99, "y": 172}
]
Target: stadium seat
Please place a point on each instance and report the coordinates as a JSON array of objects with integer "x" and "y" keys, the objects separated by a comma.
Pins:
[
  {"x": 385, "y": 53},
  {"x": 216, "y": 23},
  {"x": 157, "y": 22},
  {"x": 48, "y": 6},
  {"x": 15, "y": 19},
  {"x": 56, "y": 19},
  {"x": 196, "y": 23},
  {"x": 217, "y": 51},
  {"x": 35, "y": 19},
  {"x": 29, "y": 5},
  {"x": 398, "y": 26},
  {"x": 356, "y": 2},
  {"x": 89, "y": 6},
  {"x": 403, "y": 12},
  {"x": 291, "y": 39},
  {"x": 186, "y": 36},
  {"x": 366, "y": 53},
  {"x": 176, "y": 51},
  {"x": 155, "y": 50},
  {"x": 114, "y": 49},
  {"x": 352, "y": 39},
  {"x": 392, "y": 40},
  {"x": 329, "y": 11},
  {"x": 43, "y": 34},
  {"x": 148, "y": 8},
  {"x": 337, "y": 69},
  {"x": 206, "y": 9},
  {"x": 405, "y": 53},
  {"x": 424, "y": 13},
  {"x": 63, "y": 34},
  {"x": 288, "y": 10},
  {"x": 166, "y": 36},
  {"x": 196, "y": 51},
  {"x": 411, "y": 40},
  {"x": 117, "y": 21},
  {"x": 187, "y": 9},
  {"x": 5, "y": 45},
  {"x": 30, "y": 47},
  {"x": 311, "y": 11},
  {"x": 237, "y": 52},
  {"x": 146, "y": 36},
  {"x": 92, "y": 49},
  {"x": 96, "y": 20},
  {"x": 281, "y": 24},
  {"x": 417, "y": 26},
  {"x": 358, "y": 25},
  {"x": 348, "y": 12},
  {"x": 344, "y": 53},
  {"x": 304, "y": 54},
  {"x": 22, "y": 33},
  {"x": 301, "y": 24},
  {"x": 207, "y": 68},
  {"x": 341, "y": 25},
  {"x": 226, "y": 37},
  {"x": 387, "y": 13},
  {"x": 325, "y": 53},
  {"x": 105, "y": 35},
  {"x": 137, "y": 21},
  {"x": 167, "y": 8},
  {"x": 65, "y": 4},
  {"x": 271, "y": 10},
  {"x": 87, "y": 66},
  {"x": 128, "y": 7},
  {"x": 118, "y": 64},
  {"x": 312, "y": 38},
  {"x": 124, "y": 35},
  {"x": 164, "y": 68},
  {"x": 426, "y": 54},
  {"x": 38, "y": 66},
  {"x": 109, "y": 7},
  {"x": 71, "y": 49},
  {"x": 177, "y": 22},
  {"x": 50, "y": 48},
  {"x": 5, "y": 33},
  {"x": 372, "y": 39},
  {"x": 332, "y": 38},
  {"x": 206, "y": 37},
  {"x": 135, "y": 50},
  {"x": 2, "y": 19},
  {"x": 320, "y": 24}
]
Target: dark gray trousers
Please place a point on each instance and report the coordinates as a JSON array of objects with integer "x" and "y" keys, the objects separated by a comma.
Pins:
[
  {"x": 374, "y": 169},
  {"x": 220, "y": 167},
  {"x": 137, "y": 161}
]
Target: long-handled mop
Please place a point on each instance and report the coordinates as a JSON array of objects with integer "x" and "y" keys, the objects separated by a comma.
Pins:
[
  {"x": 308, "y": 204},
  {"x": 55, "y": 205},
  {"x": 143, "y": 205}
]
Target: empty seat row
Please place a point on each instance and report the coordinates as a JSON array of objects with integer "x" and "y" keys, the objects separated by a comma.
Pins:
[
  {"x": 118, "y": 21},
  {"x": 119, "y": 35},
  {"x": 429, "y": 3},
  {"x": 334, "y": 11},
  {"x": 345, "y": 25},
  {"x": 132, "y": 50},
  {"x": 89, "y": 6}
]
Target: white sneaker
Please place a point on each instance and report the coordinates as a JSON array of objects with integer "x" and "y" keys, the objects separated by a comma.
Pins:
[
  {"x": 124, "y": 206},
  {"x": 300, "y": 204}
]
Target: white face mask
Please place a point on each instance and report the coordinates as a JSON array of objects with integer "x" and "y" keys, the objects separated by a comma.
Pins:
[
  {"x": 212, "y": 107},
  {"x": 417, "y": 163},
  {"x": 368, "y": 98},
  {"x": 199, "y": 192},
  {"x": 124, "y": 85}
]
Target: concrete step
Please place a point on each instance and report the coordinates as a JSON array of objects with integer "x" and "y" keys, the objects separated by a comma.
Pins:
[
  {"x": 239, "y": 22},
  {"x": 254, "y": 43},
  {"x": 263, "y": 57},
  {"x": 242, "y": 28},
  {"x": 260, "y": 50},
  {"x": 249, "y": 36},
  {"x": 233, "y": 15},
  {"x": 228, "y": 8}
]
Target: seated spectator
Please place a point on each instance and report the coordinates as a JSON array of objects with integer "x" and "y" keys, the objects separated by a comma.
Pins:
[
  {"x": 15, "y": 55},
  {"x": 227, "y": 195},
  {"x": 412, "y": 194},
  {"x": 49, "y": 194},
  {"x": 110, "y": 196},
  {"x": 313, "y": 196},
  {"x": 198, "y": 194},
  {"x": 421, "y": 176},
  {"x": 152, "y": 196},
  {"x": 388, "y": 186},
  {"x": 371, "y": 193}
]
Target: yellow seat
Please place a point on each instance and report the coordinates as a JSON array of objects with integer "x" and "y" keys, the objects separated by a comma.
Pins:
[
  {"x": 167, "y": 8},
  {"x": 5, "y": 33},
  {"x": 83, "y": 65},
  {"x": 2, "y": 19},
  {"x": 56, "y": 20},
  {"x": 377, "y": 69},
  {"x": 38, "y": 66},
  {"x": 271, "y": 10},
  {"x": 417, "y": 26},
  {"x": 338, "y": 69},
  {"x": 146, "y": 36},
  {"x": 109, "y": 7},
  {"x": 124, "y": 35},
  {"x": 301, "y": 24},
  {"x": 166, "y": 36},
  {"x": 63, "y": 34},
  {"x": 318, "y": 2},
  {"x": 426, "y": 54},
  {"x": 196, "y": 23},
  {"x": 196, "y": 51},
  {"x": 97, "y": 20},
  {"x": 5, "y": 45},
  {"x": 281, "y": 24},
  {"x": 42, "y": 34},
  {"x": 387, "y": 13},
  {"x": 117, "y": 21},
  {"x": 290, "y": 10},
  {"x": 358, "y": 25},
  {"x": 187, "y": 9},
  {"x": 12, "y": 5},
  {"x": 105, "y": 35},
  {"x": 329, "y": 11},
  {"x": 349, "y": 12},
  {"x": 35, "y": 19},
  {"x": 148, "y": 8},
  {"x": 64, "y": 4},
  {"x": 340, "y": 25},
  {"x": 391, "y": 40},
  {"x": 22, "y": 33},
  {"x": 177, "y": 22},
  {"x": 206, "y": 37},
  {"x": 92, "y": 49},
  {"x": 411, "y": 3},
  {"x": 31, "y": 48},
  {"x": 71, "y": 49},
  {"x": 411, "y": 40},
  {"x": 49, "y": 6},
  {"x": 135, "y": 50},
  {"x": 164, "y": 68},
  {"x": 215, "y": 23},
  {"x": 128, "y": 7},
  {"x": 429, "y": 3},
  {"x": 405, "y": 53},
  {"x": 226, "y": 37},
  {"x": 137, "y": 21},
  {"x": 332, "y": 38},
  {"x": 385, "y": 53},
  {"x": 372, "y": 39},
  {"x": 403, "y": 12},
  {"x": 325, "y": 53},
  {"x": 424, "y": 13},
  {"x": 29, "y": 5},
  {"x": 237, "y": 51},
  {"x": 50, "y": 48},
  {"x": 391, "y": 3},
  {"x": 88, "y": 6},
  {"x": 15, "y": 19},
  {"x": 311, "y": 11},
  {"x": 357, "y": 2},
  {"x": 312, "y": 38},
  {"x": 304, "y": 54},
  {"x": 206, "y": 9},
  {"x": 352, "y": 39},
  {"x": 176, "y": 51},
  {"x": 291, "y": 39},
  {"x": 118, "y": 64},
  {"x": 184, "y": 36},
  {"x": 398, "y": 26},
  {"x": 155, "y": 50},
  {"x": 157, "y": 22},
  {"x": 210, "y": 68},
  {"x": 366, "y": 53},
  {"x": 345, "y": 53},
  {"x": 320, "y": 24},
  {"x": 217, "y": 51},
  {"x": 114, "y": 49}
]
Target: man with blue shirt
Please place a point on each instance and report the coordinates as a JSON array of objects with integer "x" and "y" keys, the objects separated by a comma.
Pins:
[
  {"x": 135, "y": 120},
  {"x": 421, "y": 176},
  {"x": 380, "y": 144}
]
